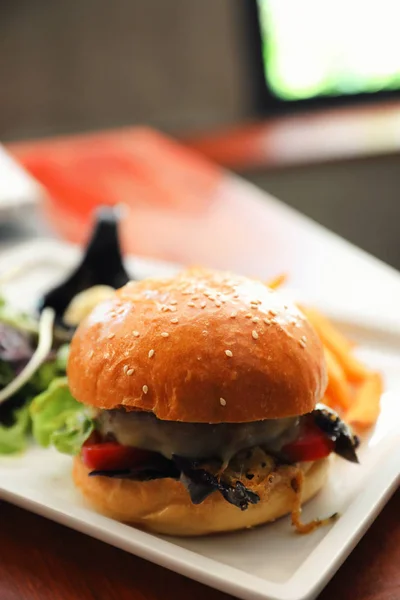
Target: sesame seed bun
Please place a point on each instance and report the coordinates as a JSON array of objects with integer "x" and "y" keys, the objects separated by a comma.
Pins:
[
  {"x": 164, "y": 505},
  {"x": 202, "y": 346}
]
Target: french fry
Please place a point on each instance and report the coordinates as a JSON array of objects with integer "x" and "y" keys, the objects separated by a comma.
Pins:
[
  {"x": 365, "y": 409},
  {"x": 278, "y": 281},
  {"x": 338, "y": 391},
  {"x": 338, "y": 345}
]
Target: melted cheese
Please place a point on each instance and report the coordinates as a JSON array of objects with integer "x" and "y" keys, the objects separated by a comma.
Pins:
[{"x": 194, "y": 440}]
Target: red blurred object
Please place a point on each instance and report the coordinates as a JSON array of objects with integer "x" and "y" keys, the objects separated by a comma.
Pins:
[
  {"x": 137, "y": 167},
  {"x": 179, "y": 206}
]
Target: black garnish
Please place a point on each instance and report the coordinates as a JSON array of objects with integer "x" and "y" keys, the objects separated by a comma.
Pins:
[
  {"x": 249, "y": 476},
  {"x": 101, "y": 265},
  {"x": 263, "y": 465},
  {"x": 332, "y": 425}
]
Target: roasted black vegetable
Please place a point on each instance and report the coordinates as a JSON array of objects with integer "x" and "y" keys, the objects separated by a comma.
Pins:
[
  {"x": 332, "y": 425},
  {"x": 157, "y": 467},
  {"x": 199, "y": 482},
  {"x": 101, "y": 265}
]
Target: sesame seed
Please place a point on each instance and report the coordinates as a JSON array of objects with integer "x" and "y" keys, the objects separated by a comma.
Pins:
[
  {"x": 267, "y": 321},
  {"x": 165, "y": 334},
  {"x": 173, "y": 302},
  {"x": 126, "y": 367},
  {"x": 222, "y": 401},
  {"x": 110, "y": 336},
  {"x": 248, "y": 316},
  {"x": 302, "y": 343},
  {"x": 235, "y": 296},
  {"x": 255, "y": 319},
  {"x": 186, "y": 293},
  {"x": 218, "y": 303},
  {"x": 203, "y": 304},
  {"x": 233, "y": 314},
  {"x": 136, "y": 333},
  {"x": 229, "y": 353},
  {"x": 168, "y": 308},
  {"x": 195, "y": 297},
  {"x": 303, "y": 338},
  {"x": 151, "y": 353},
  {"x": 273, "y": 312},
  {"x": 130, "y": 371},
  {"x": 145, "y": 389},
  {"x": 174, "y": 320},
  {"x": 90, "y": 353},
  {"x": 254, "y": 334},
  {"x": 191, "y": 304}
]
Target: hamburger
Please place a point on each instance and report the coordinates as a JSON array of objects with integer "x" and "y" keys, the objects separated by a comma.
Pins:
[{"x": 205, "y": 391}]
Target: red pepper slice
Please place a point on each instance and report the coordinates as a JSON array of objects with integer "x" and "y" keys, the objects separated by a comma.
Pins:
[
  {"x": 311, "y": 445},
  {"x": 110, "y": 456}
]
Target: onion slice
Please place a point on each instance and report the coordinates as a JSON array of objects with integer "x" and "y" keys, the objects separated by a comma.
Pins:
[{"x": 45, "y": 343}]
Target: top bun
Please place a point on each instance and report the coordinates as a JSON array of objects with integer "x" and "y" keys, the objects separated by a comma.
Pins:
[{"x": 200, "y": 347}]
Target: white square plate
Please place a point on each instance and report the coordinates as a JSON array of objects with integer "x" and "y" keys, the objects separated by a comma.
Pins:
[{"x": 270, "y": 562}]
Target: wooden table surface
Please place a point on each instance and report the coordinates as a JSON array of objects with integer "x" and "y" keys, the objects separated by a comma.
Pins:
[{"x": 41, "y": 560}]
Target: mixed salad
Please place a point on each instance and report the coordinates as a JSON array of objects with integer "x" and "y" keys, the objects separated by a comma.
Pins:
[{"x": 34, "y": 397}]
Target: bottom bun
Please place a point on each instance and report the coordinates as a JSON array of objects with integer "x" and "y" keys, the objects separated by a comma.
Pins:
[{"x": 164, "y": 505}]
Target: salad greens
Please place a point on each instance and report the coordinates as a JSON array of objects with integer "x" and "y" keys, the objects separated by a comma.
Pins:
[
  {"x": 34, "y": 350},
  {"x": 14, "y": 438},
  {"x": 28, "y": 365},
  {"x": 59, "y": 420}
]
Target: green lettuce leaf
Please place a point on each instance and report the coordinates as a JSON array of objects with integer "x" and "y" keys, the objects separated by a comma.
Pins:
[
  {"x": 59, "y": 420},
  {"x": 14, "y": 439},
  {"x": 41, "y": 380}
]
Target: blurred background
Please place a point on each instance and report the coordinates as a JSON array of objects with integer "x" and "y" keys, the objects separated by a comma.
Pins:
[{"x": 300, "y": 97}]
